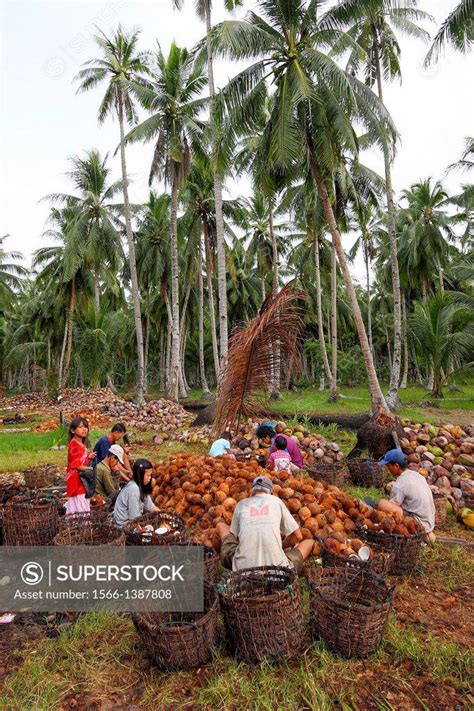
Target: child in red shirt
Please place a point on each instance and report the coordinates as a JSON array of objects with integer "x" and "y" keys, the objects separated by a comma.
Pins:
[
  {"x": 78, "y": 459},
  {"x": 280, "y": 459}
]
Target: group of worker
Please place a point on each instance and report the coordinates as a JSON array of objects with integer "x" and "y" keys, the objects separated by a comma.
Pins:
[{"x": 264, "y": 533}]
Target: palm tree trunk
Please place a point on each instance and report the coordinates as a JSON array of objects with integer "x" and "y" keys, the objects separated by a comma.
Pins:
[
  {"x": 275, "y": 389},
  {"x": 48, "y": 356},
  {"x": 61, "y": 357},
  {"x": 322, "y": 342},
  {"x": 262, "y": 288},
  {"x": 72, "y": 304},
  {"x": 221, "y": 257},
  {"x": 173, "y": 386},
  {"x": 369, "y": 302},
  {"x": 393, "y": 400},
  {"x": 376, "y": 396},
  {"x": 389, "y": 350},
  {"x": 132, "y": 262},
  {"x": 333, "y": 394},
  {"x": 183, "y": 387},
  {"x": 406, "y": 363},
  {"x": 97, "y": 286},
  {"x": 202, "y": 364},
  {"x": 147, "y": 341},
  {"x": 210, "y": 296},
  {"x": 440, "y": 276}
]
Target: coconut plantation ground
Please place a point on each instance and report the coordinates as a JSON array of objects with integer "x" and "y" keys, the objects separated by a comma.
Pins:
[{"x": 96, "y": 662}]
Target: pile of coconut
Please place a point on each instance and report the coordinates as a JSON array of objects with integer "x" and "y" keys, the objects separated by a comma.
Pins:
[
  {"x": 445, "y": 455},
  {"x": 246, "y": 445}
]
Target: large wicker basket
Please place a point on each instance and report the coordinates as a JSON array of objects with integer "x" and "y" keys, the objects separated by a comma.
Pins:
[
  {"x": 210, "y": 559},
  {"x": 405, "y": 550},
  {"x": 366, "y": 472},
  {"x": 379, "y": 564},
  {"x": 335, "y": 473},
  {"x": 96, "y": 513},
  {"x": 30, "y": 522},
  {"x": 349, "y": 610},
  {"x": 441, "y": 509},
  {"x": 176, "y": 523},
  {"x": 177, "y": 641},
  {"x": 263, "y": 614},
  {"x": 90, "y": 532},
  {"x": 40, "y": 476}
]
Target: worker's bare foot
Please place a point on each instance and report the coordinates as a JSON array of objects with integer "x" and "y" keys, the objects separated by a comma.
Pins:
[{"x": 430, "y": 538}]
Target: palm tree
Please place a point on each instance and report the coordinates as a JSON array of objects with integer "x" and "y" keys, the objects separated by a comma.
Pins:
[
  {"x": 315, "y": 101},
  {"x": 371, "y": 26},
  {"x": 204, "y": 9},
  {"x": 174, "y": 124},
  {"x": 94, "y": 225},
  {"x": 466, "y": 162},
  {"x": 442, "y": 330},
  {"x": 457, "y": 30},
  {"x": 121, "y": 66},
  {"x": 64, "y": 268},
  {"x": 425, "y": 229},
  {"x": 11, "y": 274}
]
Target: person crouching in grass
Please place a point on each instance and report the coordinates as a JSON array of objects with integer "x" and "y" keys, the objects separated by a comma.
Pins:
[
  {"x": 253, "y": 538},
  {"x": 410, "y": 494}
]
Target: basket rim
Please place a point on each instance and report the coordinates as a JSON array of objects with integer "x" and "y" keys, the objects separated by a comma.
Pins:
[
  {"x": 330, "y": 596},
  {"x": 179, "y": 626},
  {"x": 227, "y": 594}
]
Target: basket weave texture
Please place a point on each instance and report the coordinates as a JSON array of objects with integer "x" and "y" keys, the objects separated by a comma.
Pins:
[
  {"x": 366, "y": 472},
  {"x": 30, "y": 522},
  {"x": 379, "y": 564},
  {"x": 335, "y": 473},
  {"x": 41, "y": 476},
  {"x": 210, "y": 559},
  {"x": 90, "y": 532},
  {"x": 263, "y": 614},
  {"x": 405, "y": 550},
  {"x": 177, "y": 641},
  {"x": 156, "y": 519},
  {"x": 349, "y": 610},
  {"x": 441, "y": 509}
]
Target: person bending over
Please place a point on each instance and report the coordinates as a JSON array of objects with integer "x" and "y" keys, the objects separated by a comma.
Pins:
[
  {"x": 221, "y": 446},
  {"x": 102, "y": 446},
  {"x": 134, "y": 499},
  {"x": 109, "y": 473},
  {"x": 410, "y": 494},
  {"x": 267, "y": 434},
  {"x": 254, "y": 536}
]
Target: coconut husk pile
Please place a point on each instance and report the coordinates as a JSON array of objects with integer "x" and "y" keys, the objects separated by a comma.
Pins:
[
  {"x": 445, "y": 455},
  {"x": 205, "y": 491},
  {"x": 245, "y": 444},
  {"x": 159, "y": 415}
]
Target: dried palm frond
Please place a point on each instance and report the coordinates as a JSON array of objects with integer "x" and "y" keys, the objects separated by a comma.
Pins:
[{"x": 249, "y": 368}]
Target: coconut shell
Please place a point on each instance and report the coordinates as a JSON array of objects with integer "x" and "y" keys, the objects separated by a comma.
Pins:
[
  {"x": 294, "y": 505},
  {"x": 304, "y": 513}
]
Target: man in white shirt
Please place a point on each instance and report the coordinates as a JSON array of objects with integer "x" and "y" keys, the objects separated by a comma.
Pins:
[
  {"x": 254, "y": 536},
  {"x": 220, "y": 446},
  {"x": 410, "y": 494}
]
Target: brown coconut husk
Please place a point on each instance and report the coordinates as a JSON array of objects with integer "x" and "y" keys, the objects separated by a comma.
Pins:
[{"x": 377, "y": 436}]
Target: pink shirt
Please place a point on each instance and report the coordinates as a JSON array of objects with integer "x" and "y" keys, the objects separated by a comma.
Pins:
[
  {"x": 280, "y": 460},
  {"x": 293, "y": 450}
]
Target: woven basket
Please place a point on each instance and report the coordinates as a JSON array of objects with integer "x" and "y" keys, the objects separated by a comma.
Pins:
[
  {"x": 210, "y": 559},
  {"x": 97, "y": 513},
  {"x": 178, "y": 641},
  {"x": 40, "y": 476},
  {"x": 349, "y": 609},
  {"x": 379, "y": 564},
  {"x": 30, "y": 521},
  {"x": 405, "y": 550},
  {"x": 366, "y": 472},
  {"x": 335, "y": 473},
  {"x": 156, "y": 519},
  {"x": 441, "y": 509},
  {"x": 90, "y": 532},
  {"x": 263, "y": 614}
]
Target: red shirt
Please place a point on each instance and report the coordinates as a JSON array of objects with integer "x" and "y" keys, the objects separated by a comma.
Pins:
[{"x": 77, "y": 456}]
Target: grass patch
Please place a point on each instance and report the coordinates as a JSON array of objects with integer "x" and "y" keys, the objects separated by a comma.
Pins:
[
  {"x": 443, "y": 659},
  {"x": 362, "y": 492},
  {"x": 449, "y": 566}
]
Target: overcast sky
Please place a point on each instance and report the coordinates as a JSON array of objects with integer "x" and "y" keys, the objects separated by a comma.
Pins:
[{"x": 44, "y": 122}]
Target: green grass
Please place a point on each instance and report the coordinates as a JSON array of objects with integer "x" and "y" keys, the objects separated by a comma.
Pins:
[{"x": 356, "y": 400}]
